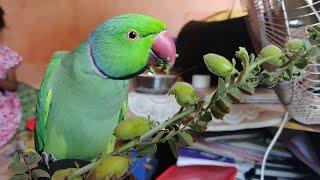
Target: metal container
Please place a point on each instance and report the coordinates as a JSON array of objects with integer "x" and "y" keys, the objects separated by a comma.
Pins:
[{"x": 153, "y": 84}]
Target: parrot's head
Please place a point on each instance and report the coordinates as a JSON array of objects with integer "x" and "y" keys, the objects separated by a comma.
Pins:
[{"x": 127, "y": 45}]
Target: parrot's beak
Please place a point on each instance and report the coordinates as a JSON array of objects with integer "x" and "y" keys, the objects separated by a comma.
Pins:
[{"x": 163, "y": 50}]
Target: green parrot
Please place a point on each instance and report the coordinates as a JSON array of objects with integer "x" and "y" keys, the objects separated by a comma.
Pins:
[{"x": 84, "y": 91}]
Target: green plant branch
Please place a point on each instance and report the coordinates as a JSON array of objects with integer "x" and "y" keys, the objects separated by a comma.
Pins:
[
  {"x": 244, "y": 77},
  {"x": 163, "y": 125},
  {"x": 166, "y": 138},
  {"x": 241, "y": 79}
]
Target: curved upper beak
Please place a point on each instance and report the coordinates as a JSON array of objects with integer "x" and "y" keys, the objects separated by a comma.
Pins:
[{"x": 163, "y": 50}]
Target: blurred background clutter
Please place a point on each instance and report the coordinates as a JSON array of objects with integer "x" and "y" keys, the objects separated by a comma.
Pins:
[{"x": 38, "y": 28}]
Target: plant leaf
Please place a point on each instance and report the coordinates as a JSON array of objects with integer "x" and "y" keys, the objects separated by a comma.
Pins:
[
  {"x": 217, "y": 113},
  {"x": 147, "y": 150},
  {"x": 16, "y": 157},
  {"x": 32, "y": 158},
  {"x": 185, "y": 138},
  {"x": 234, "y": 94},
  {"x": 234, "y": 63},
  {"x": 253, "y": 81},
  {"x": 224, "y": 104},
  {"x": 301, "y": 63},
  {"x": 268, "y": 79},
  {"x": 206, "y": 117},
  {"x": 307, "y": 44},
  {"x": 243, "y": 56},
  {"x": 256, "y": 70},
  {"x": 199, "y": 126},
  {"x": 314, "y": 54},
  {"x": 221, "y": 85},
  {"x": 38, "y": 173},
  {"x": 252, "y": 58},
  {"x": 245, "y": 88},
  {"x": 289, "y": 71},
  {"x": 64, "y": 174},
  {"x": 18, "y": 168},
  {"x": 20, "y": 177}
]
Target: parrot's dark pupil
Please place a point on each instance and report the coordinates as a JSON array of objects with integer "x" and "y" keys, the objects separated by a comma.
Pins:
[{"x": 132, "y": 35}]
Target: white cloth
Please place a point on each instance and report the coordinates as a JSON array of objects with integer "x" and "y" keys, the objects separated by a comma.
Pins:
[
  {"x": 158, "y": 107},
  {"x": 241, "y": 116}
]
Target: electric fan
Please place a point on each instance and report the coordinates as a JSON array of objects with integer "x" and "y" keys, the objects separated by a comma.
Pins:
[{"x": 276, "y": 22}]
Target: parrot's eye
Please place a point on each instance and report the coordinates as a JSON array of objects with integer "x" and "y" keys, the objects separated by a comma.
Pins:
[{"x": 132, "y": 35}]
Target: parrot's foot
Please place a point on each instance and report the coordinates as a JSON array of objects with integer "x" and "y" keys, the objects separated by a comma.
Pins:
[{"x": 48, "y": 158}]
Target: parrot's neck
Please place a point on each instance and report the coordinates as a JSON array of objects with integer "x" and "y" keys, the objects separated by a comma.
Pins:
[
  {"x": 93, "y": 61},
  {"x": 83, "y": 62}
]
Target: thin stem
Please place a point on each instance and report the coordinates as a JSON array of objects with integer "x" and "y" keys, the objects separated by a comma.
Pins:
[
  {"x": 227, "y": 80},
  {"x": 253, "y": 66},
  {"x": 242, "y": 78},
  {"x": 166, "y": 138},
  {"x": 25, "y": 161},
  {"x": 166, "y": 123}
]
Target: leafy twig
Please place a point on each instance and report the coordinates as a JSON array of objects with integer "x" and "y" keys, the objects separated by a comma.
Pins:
[{"x": 153, "y": 131}]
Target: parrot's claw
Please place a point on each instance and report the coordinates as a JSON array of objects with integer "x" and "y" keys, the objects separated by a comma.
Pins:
[
  {"x": 52, "y": 158},
  {"x": 48, "y": 158}
]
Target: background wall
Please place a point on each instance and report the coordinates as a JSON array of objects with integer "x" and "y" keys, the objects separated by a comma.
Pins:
[{"x": 37, "y": 28}]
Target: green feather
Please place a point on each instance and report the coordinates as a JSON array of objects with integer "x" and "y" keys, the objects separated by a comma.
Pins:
[{"x": 44, "y": 100}]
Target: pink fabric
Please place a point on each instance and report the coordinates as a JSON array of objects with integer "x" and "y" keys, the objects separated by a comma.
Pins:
[{"x": 10, "y": 108}]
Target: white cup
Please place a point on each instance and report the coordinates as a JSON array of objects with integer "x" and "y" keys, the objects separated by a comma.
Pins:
[{"x": 201, "y": 81}]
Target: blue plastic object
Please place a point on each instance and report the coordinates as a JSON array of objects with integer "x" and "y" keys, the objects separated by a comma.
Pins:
[{"x": 143, "y": 168}]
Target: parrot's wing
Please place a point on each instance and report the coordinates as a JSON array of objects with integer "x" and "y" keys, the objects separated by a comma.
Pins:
[
  {"x": 123, "y": 110},
  {"x": 44, "y": 101}
]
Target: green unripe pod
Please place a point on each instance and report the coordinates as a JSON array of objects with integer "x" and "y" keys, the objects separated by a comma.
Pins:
[
  {"x": 295, "y": 45},
  {"x": 113, "y": 165},
  {"x": 199, "y": 126},
  {"x": 218, "y": 65},
  {"x": 63, "y": 174},
  {"x": 185, "y": 94},
  {"x": 270, "y": 51},
  {"x": 132, "y": 127}
]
